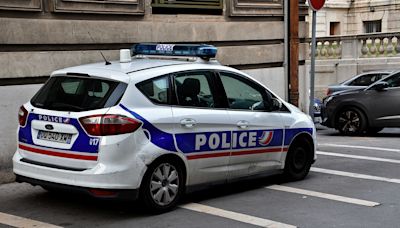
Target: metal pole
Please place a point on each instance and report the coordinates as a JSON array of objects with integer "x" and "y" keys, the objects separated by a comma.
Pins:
[
  {"x": 286, "y": 41},
  {"x": 312, "y": 70}
]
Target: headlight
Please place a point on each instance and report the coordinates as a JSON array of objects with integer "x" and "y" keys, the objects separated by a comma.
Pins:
[{"x": 327, "y": 100}]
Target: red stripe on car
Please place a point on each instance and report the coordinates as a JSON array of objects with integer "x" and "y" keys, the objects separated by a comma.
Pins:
[{"x": 58, "y": 154}]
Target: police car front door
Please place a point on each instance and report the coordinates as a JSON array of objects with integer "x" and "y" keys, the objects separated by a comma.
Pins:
[
  {"x": 202, "y": 131},
  {"x": 257, "y": 135}
]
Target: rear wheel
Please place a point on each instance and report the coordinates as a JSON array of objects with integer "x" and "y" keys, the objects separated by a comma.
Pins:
[
  {"x": 162, "y": 186},
  {"x": 298, "y": 160},
  {"x": 351, "y": 121}
]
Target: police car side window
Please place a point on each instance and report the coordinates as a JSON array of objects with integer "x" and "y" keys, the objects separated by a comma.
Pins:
[
  {"x": 193, "y": 89},
  {"x": 156, "y": 89},
  {"x": 242, "y": 95}
]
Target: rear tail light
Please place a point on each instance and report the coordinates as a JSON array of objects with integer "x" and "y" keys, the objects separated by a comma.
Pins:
[
  {"x": 22, "y": 116},
  {"x": 102, "y": 125}
]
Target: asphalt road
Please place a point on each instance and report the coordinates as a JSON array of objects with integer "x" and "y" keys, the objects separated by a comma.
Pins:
[{"x": 354, "y": 183}]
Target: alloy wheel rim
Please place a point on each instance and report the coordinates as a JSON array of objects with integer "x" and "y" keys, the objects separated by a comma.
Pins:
[
  {"x": 349, "y": 121},
  {"x": 164, "y": 184}
]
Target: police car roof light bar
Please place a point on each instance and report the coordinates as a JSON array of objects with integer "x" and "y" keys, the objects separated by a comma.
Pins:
[{"x": 203, "y": 51}]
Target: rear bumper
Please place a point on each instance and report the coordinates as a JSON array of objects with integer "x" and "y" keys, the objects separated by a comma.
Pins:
[
  {"x": 102, "y": 176},
  {"x": 130, "y": 194}
]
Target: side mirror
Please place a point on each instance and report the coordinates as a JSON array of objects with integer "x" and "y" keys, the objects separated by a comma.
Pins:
[
  {"x": 276, "y": 104},
  {"x": 380, "y": 86}
]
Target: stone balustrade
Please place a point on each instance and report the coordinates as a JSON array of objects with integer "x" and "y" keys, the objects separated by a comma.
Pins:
[{"x": 376, "y": 45}]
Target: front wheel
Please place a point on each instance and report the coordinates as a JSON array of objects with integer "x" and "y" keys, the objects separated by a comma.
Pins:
[
  {"x": 298, "y": 161},
  {"x": 351, "y": 121},
  {"x": 162, "y": 186}
]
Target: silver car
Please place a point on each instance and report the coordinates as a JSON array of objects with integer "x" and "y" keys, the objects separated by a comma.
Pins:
[{"x": 360, "y": 81}]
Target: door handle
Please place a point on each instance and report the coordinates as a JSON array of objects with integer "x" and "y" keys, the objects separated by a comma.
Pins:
[
  {"x": 189, "y": 123},
  {"x": 242, "y": 124}
]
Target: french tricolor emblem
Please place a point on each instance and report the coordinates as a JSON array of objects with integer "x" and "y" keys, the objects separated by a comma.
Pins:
[{"x": 266, "y": 138}]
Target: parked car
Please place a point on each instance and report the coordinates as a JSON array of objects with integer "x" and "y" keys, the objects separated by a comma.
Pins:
[
  {"x": 317, "y": 110},
  {"x": 366, "y": 110},
  {"x": 360, "y": 81},
  {"x": 154, "y": 127}
]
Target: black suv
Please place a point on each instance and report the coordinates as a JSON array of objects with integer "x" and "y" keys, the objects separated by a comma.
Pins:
[{"x": 366, "y": 110}]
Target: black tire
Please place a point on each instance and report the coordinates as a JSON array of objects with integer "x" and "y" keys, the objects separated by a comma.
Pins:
[
  {"x": 298, "y": 160},
  {"x": 351, "y": 121},
  {"x": 374, "y": 130},
  {"x": 156, "y": 190}
]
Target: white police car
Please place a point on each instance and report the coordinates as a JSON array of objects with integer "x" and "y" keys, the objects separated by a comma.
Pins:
[{"x": 155, "y": 127}]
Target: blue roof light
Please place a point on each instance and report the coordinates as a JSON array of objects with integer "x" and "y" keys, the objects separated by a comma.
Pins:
[{"x": 198, "y": 50}]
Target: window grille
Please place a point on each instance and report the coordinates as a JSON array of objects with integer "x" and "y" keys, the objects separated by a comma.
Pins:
[{"x": 194, "y": 4}]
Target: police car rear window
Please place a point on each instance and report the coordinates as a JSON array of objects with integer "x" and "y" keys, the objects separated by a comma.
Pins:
[{"x": 78, "y": 94}]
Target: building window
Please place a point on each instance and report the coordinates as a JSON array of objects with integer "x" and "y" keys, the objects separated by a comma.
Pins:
[
  {"x": 213, "y": 7},
  {"x": 334, "y": 29},
  {"x": 373, "y": 26},
  {"x": 132, "y": 7}
]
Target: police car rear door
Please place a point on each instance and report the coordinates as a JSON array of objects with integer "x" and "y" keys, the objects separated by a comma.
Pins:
[
  {"x": 202, "y": 129},
  {"x": 258, "y": 134}
]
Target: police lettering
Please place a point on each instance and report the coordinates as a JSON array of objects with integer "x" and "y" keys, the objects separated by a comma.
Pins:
[
  {"x": 221, "y": 141},
  {"x": 55, "y": 119}
]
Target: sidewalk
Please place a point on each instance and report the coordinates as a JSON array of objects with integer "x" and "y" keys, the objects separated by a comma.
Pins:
[{"x": 11, "y": 98}]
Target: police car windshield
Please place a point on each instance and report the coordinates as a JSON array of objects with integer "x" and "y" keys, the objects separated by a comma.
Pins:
[{"x": 78, "y": 94}]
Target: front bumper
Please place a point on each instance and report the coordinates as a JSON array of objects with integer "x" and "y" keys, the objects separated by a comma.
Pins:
[
  {"x": 99, "y": 177},
  {"x": 327, "y": 117}
]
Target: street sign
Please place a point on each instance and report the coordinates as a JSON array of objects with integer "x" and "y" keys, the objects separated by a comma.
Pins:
[{"x": 316, "y": 4}]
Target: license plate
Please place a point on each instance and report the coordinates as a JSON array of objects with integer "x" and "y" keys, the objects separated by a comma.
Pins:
[{"x": 55, "y": 137}]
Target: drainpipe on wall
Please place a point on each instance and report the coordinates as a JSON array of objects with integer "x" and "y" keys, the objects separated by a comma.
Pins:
[{"x": 294, "y": 52}]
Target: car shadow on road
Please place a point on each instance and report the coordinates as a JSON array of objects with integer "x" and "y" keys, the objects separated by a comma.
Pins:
[
  {"x": 76, "y": 204},
  {"x": 217, "y": 191}
]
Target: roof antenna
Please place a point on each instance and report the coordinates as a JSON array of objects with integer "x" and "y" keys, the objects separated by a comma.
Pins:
[{"x": 101, "y": 53}]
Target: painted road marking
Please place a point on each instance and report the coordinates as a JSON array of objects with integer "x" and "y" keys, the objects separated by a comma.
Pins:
[
  {"x": 355, "y": 175},
  {"x": 358, "y": 157},
  {"x": 324, "y": 195},
  {"x": 16, "y": 221},
  {"x": 360, "y": 147},
  {"x": 235, "y": 216}
]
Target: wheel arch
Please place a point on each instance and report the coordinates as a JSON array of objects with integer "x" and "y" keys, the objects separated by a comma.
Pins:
[
  {"x": 351, "y": 105},
  {"x": 304, "y": 137},
  {"x": 175, "y": 157}
]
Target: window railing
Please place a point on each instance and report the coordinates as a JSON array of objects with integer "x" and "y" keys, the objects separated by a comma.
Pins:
[{"x": 194, "y": 4}]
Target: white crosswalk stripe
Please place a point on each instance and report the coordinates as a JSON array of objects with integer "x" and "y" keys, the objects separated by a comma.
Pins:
[
  {"x": 235, "y": 216},
  {"x": 16, "y": 221},
  {"x": 360, "y": 147},
  {"x": 324, "y": 195},
  {"x": 355, "y": 175},
  {"x": 358, "y": 157}
]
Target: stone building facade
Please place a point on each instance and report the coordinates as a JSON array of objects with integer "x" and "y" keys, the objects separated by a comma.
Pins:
[
  {"x": 350, "y": 17},
  {"x": 38, "y": 36}
]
